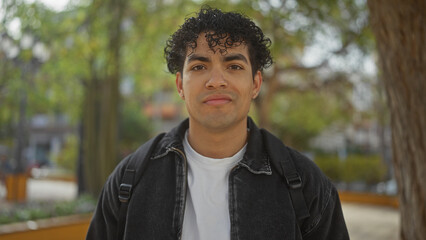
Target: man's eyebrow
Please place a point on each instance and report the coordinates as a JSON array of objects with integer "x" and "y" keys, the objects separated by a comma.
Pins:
[
  {"x": 236, "y": 56},
  {"x": 195, "y": 57}
]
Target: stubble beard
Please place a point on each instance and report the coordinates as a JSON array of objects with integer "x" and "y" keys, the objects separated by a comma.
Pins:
[{"x": 220, "y": 121}]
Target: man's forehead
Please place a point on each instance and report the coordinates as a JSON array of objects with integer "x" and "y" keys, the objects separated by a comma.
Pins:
[{"x": 222, "y": 46}]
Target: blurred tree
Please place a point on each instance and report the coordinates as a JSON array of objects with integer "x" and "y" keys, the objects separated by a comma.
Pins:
[
  {"x": 400, "y": 32},
  {"x": 298, "y": 116},
  {"x": 97, "y": 46},
  {"x": 22, "y": 51},
  {"x": 293, "y": 27},
  {"x": 101, "y": 97},
  {"x": 135, "y": 128},
  {"x": 68, "y": 155}
]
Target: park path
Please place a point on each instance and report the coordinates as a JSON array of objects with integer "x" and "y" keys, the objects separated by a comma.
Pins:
[{"x": 370, "y": 222}]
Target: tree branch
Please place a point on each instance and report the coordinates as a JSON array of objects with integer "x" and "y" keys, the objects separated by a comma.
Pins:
[
  {"x": 301, "y": 68},
  {"x": 334, "y": 83}
]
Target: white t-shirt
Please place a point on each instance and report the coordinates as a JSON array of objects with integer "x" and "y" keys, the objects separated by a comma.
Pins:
[{"x": 206, "y": 211}]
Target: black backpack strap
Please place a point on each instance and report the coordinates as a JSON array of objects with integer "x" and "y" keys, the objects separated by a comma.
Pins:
[
  {"x": 284, "y": 164},
  {"x": 134, "y": 169}
]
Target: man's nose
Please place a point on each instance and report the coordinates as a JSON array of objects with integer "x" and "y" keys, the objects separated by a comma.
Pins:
[{"x": 216, "y": 80}]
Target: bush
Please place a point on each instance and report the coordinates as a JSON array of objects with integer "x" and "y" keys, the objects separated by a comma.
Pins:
[
  {"x": 331, "y": 165},
  {"x": 366, "y": 168},
  {"x": 135, "y": 128},
  {"x": 67, "y": 159},
  {"x": 369, "y": 169},
  {"x": 40, "y": 210}
]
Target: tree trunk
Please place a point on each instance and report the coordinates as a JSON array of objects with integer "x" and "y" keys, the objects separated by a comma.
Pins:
[
  {"x": 21, "y": 137},
  {"x": 264, "y": 103},
  {"x": 100, "y": 114},
  {"x": 108, "y": 124},
  {"x": 400, "y": 30},
  {"x": 90, "y": 133}
]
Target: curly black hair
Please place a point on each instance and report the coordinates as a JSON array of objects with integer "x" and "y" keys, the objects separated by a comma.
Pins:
[{"x": 223, "y": 30}]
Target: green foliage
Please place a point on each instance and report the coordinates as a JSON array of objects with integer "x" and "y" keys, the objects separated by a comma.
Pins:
[
  {"x": 67, "y": 158},
  {"x": 355, "y": 168},
  {"x": 135, "y": 128},
  {"x": 78, "y": 40},
  {"x": 331, "y": 165},
  {"x": 297, "y": 117},
  {"x": 369, "y": 169},
  {"x": 40, "y": 210}
]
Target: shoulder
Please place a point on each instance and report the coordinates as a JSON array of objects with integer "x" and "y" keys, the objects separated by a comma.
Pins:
[
  {"x": 132, "y": 163},
  {"x": 321, "y": 197},
  {"x": 136, "y": 159},
  {"x": 287, "y": 156},
  {"x": 318, "y": 190}
]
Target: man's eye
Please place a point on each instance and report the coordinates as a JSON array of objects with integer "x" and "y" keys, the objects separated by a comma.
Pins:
[
  {"x": 197, "y": 67},
  {"x": 235, "y": 67}
]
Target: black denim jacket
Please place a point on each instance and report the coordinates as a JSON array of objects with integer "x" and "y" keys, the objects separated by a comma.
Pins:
[{"x": 259, "y": 202}]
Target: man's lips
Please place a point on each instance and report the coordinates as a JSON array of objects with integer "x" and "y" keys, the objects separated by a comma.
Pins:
[{"x": 217, "y": 99}]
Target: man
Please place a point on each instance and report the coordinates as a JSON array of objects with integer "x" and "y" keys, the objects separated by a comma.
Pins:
[{"x": 216, "y": 175}]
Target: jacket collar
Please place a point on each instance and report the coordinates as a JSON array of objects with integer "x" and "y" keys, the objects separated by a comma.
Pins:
[{"x": 255, "y": 159}]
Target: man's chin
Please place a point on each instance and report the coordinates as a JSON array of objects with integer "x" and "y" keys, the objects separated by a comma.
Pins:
[{"x": 218, "y": 122}]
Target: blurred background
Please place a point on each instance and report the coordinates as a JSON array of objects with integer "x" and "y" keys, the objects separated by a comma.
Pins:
[{"x": 84, "y": 83}]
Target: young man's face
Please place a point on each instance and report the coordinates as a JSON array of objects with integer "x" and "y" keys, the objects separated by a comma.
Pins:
[{"x": 217, "y": 87}]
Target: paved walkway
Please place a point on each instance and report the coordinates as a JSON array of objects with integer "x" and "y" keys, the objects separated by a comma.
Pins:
[
  {"x": 369, "y": 222},
  {"x": 365, "y": 222}
]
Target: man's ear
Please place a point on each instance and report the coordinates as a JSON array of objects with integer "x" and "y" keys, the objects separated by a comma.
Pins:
[
  {"x": 257, "y": 84},
  {"x": 179, "y": 85}
]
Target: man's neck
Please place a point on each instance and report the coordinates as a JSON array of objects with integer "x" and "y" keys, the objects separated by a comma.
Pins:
[{"x": 215, "y": 143}]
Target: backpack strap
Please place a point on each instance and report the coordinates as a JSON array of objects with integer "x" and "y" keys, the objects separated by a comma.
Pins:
[
  {"x": 134, "y": 169},
  {"x": 284, "y": 164}
]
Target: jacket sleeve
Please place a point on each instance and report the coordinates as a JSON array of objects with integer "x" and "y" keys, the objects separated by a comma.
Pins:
[
  {"x": 105, "y": 218},
  {"x": 329, "y": 222},
  {"x": 326, "y": 219}
]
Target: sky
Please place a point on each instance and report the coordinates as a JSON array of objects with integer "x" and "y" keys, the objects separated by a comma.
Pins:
[{"x": 57, "y": 5}]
